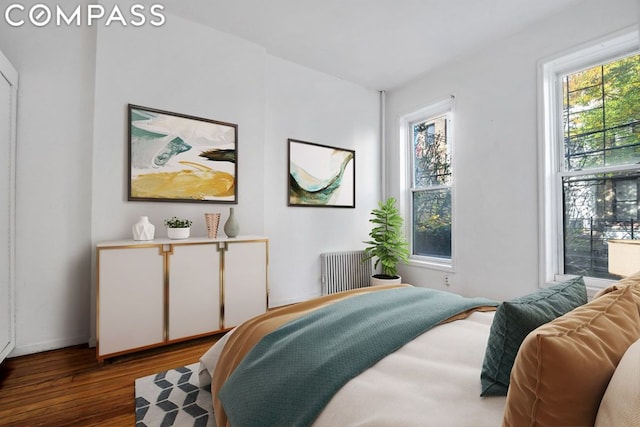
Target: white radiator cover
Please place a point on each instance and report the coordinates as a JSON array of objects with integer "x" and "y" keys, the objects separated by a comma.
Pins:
[{"x": 342, "y": 271}]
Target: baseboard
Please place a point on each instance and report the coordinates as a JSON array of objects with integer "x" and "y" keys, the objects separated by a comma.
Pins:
[
  {"x": 23, "y": 350},
  {"x": 289, "y": 301}
]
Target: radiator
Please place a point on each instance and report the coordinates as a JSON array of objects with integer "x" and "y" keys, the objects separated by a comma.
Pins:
[{"x": 342, "y": 271}]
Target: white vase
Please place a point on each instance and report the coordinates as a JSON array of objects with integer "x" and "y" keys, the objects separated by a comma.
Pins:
[
  {"x": 178, "y": 233},
  {"x": 143, "y": 229}
]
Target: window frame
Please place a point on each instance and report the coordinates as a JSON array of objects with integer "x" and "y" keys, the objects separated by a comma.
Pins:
[
  {"x": 551, "y": 148},
  {"x": 431, "y": 111}
]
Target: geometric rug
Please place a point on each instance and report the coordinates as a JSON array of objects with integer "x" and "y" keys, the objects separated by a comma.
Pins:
[{"x": 173, "y": 398}]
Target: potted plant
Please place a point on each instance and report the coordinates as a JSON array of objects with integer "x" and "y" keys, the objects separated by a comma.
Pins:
[
  {"x": 387, "y": 243},
  {"x": 178, "y": 228}
]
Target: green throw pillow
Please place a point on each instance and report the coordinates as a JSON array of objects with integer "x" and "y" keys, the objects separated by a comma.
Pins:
[{"x": 512, "y": 323}]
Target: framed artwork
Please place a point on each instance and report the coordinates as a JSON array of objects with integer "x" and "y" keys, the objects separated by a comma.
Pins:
[
  {"x": 179, "y": 158},
  {"x": 321, "y": 176}
]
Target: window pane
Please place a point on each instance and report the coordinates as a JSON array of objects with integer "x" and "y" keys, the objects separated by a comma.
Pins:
[
  {"x": 601, "y": 115},
  {"x": 623, "y": 144},
  {"x": 597, "y": 208},
  {"x": 584, "y": 78},
  {"x": 432, "y": 223},
  {"x": 585, "y": 151},
  {"x": 431, "y": 159}
]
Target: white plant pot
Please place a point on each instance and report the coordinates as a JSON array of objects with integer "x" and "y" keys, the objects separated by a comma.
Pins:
[
  {"x": 375, "y": 281},
  {"x": 178, "y": 233}
]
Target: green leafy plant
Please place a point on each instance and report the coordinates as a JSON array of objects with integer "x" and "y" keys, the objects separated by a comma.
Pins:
[
  {"x": 387, "y": 243},
  {"x": 176, "y": 222}
]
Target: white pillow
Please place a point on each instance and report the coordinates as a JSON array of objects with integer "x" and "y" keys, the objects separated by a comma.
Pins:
[{"x": 620, "y": 405}]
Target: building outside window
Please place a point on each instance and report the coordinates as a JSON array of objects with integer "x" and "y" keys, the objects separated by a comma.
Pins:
[
  {"x": 430, "y": 195},
  {"x": 592, "y": 156}
]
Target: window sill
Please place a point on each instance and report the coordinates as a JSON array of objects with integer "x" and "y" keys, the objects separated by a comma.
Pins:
[{"x": 432, "y": 263}]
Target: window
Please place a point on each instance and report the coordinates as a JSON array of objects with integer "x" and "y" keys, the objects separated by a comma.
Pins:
[
  {"x": 592, "y": 156},
  {"x": 428, "y": 136}
]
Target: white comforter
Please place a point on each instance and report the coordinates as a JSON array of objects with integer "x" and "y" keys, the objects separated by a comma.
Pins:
[{"x": 432, "y": 381}]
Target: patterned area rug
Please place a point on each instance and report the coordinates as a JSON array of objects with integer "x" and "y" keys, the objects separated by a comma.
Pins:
[{"x": 173, "y": 398}]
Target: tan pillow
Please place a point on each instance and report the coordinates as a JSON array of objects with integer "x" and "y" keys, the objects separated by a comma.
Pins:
[
  {"x": 634, "y": 282},
  {"x": 563, "y": 367},
  {"x": 620, "y": 405},
  {"x": 607, "y": 290}
]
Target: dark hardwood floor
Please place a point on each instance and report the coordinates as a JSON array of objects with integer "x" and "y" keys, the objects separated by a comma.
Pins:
[{"x": 68, "y": 387}]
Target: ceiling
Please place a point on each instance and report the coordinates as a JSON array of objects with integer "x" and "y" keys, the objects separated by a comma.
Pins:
[{"x": 378, "y": 44}]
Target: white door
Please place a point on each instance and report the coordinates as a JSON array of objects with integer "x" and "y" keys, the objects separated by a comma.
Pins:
[
  {"x": 245, "y": 281},
  {"x": 8, "y": 91},
  {"x": 194, "y": 290},
  {"x": 131, "y": 298}
]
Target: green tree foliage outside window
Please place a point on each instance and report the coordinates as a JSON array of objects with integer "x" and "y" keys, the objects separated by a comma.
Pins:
[
  {"x": 601, "y": 122},
  {"x": 601, "y": 114},
  {"x": 431, "y": 189}
]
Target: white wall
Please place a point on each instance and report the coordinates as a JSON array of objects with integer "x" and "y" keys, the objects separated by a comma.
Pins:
[
  {"x": 75, "y": 85},
  {"x": 310, "y": 106},
  {"x": 496, "y": 148},
  {"x": 185, "y": 68},
  {"x": 53, "y": 218}
]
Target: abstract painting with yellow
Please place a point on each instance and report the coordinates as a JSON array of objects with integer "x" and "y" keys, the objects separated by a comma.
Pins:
[{"x": 174, "y": 157}]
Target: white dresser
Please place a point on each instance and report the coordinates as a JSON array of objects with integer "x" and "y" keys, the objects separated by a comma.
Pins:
[{"x": 153, "y": 293}]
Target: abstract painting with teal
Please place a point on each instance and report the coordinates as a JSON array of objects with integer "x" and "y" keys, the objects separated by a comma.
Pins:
[
  {"x": 325, "y": 185},
  {"x": 181, "y": 157}
]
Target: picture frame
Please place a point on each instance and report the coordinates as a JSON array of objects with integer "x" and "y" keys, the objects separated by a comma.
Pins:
[
  {"x": 181, "y": 158},
  {"x": 321, "y": 175}
]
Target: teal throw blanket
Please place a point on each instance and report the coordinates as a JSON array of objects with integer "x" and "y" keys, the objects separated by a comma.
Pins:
[{"x": 293, "y": 372}]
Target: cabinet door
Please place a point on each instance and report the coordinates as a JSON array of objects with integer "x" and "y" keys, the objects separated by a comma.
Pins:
[
  {"x": 194, "y": 290},
  {"x": 245, "y": 281},
  {"x": 130, "y": 298}
]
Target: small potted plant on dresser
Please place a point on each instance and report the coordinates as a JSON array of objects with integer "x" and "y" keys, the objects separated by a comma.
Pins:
[
  {"x": 387, "y": 243},
  {"x": 178, "y": 228}
]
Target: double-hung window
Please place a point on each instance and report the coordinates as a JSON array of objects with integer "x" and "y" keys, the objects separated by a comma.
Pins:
[
  {"x": 591, "y": 104},
  {"x": 429, "y": 139}
]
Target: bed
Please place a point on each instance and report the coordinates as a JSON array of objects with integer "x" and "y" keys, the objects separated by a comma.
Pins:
[{"x": 549, "y": 358}]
